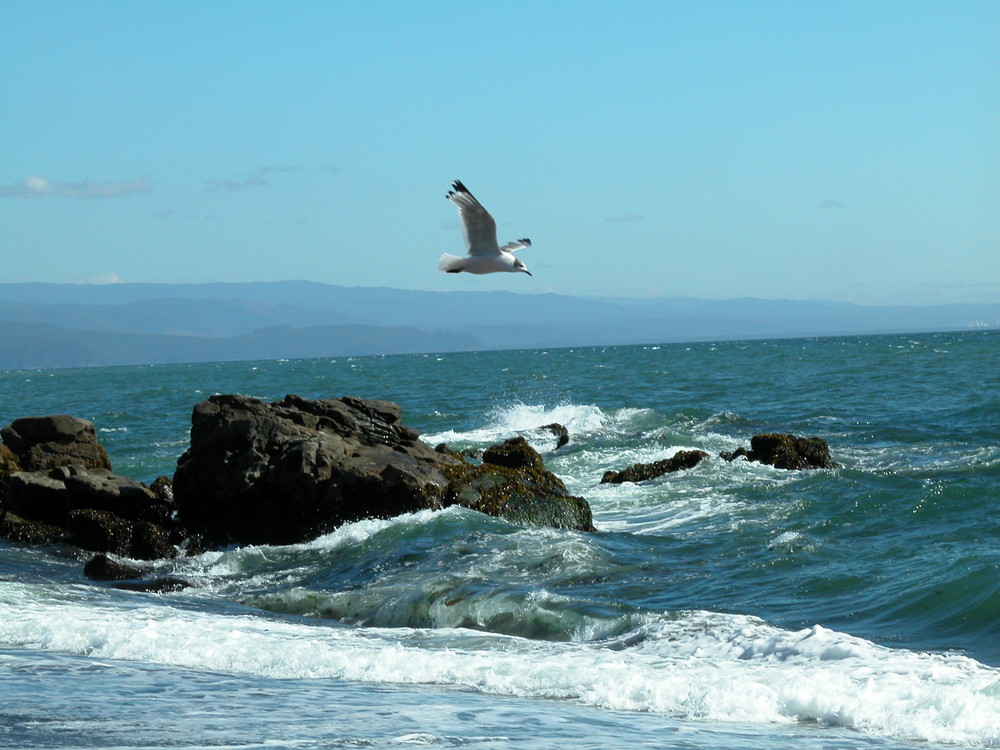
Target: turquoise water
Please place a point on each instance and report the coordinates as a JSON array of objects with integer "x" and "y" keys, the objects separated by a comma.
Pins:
[{"x": 732, "y": 605}]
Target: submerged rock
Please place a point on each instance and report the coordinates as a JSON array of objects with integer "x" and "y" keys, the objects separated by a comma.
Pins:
[
  {"x": 784, "y": 451},
  {"x": 560, "y": 431},
  {"x": 642, "y": 472},
  {"x": 129, "y": 577},
  {"x": 289, "y": 471}
]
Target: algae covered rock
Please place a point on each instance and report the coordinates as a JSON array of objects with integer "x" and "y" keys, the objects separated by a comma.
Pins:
[
  {"x": 642, "y": 472},
  {"x": 784, "y": 451},
  {"x": 513, "y": 483}
]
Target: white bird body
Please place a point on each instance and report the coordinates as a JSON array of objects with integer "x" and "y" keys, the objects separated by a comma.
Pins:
[{"x": 485, "y": 254}]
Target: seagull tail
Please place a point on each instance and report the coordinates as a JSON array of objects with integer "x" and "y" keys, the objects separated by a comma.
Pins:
[{"x": 451, "y": 263}]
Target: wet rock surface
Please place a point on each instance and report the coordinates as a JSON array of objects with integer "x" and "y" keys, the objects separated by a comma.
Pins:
[
  {"x": 785, "y": 451},
  {"x": 643, "y": 472}
]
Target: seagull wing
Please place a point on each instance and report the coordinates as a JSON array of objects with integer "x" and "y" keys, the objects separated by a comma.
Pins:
[
  {"x": 516, "y": 245},
  {"x": 479, "y": 227}
]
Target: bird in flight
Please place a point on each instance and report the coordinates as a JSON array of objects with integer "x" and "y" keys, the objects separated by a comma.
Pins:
[{"x": 485, "y": 255}]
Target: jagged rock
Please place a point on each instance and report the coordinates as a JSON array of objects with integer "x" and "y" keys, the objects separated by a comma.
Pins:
[
  {"x": 785, "y": 451},
  {"x": 42, "y": 443},
  {"x": 561, "y": 433},
  {"x": 89, "y": 507},
  {"x": 642, "y": 472},
  {"x": 289, "y": 471}
]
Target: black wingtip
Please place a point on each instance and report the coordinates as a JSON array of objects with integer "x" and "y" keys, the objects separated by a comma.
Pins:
[{"x": 526, "y": 241}]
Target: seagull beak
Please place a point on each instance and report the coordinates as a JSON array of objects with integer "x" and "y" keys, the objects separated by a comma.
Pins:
[{"x": 526, "y": 271}]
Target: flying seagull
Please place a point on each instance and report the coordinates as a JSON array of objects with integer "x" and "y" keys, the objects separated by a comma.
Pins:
[{"x": 485, "y": 255}]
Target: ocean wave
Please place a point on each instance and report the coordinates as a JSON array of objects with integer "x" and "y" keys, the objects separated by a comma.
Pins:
[{"x": 697, "y": 665}]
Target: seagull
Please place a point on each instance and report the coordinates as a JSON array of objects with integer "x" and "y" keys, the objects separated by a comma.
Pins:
[{"x": 485, "y": 255}]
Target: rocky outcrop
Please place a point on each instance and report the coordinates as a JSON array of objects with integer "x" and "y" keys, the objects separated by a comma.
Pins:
[
  {"x": 90, "y": 508},
  {"x": 42, "y": 443},
  {"x": 56, "y": 484},
  {"x": 291, "y": 470},
  {"x": 643, "y": 472},
  {"x": 785, "y": 451}
]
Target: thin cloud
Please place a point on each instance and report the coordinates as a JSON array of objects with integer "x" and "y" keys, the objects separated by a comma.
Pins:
[
  {"x": 832, "y": 204},
  {"x": 36, "y": 186},
  {"x": 257, "y": 179},
  {"x": 625, "y": 217},
  {"x": 168, "y": 214},
  {"x": 101, "y": 278}
]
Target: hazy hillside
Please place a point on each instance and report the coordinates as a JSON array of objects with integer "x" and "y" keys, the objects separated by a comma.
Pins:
[{"x": 67, "y": 325}]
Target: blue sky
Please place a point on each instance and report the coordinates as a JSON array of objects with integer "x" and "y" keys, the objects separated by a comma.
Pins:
[{"x": 836, "y": 150}]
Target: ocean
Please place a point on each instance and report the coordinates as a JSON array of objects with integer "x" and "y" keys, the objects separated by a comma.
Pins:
[{"x": 733, "y": 605}]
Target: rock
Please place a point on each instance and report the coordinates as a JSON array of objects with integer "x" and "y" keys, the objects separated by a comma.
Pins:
[
  {"x": 100, "y": 489},
  {"x": 561, "y": 433},
  {"x": 26, "y": 531},
  {"x": 164, "y": 585},
  {"x": 42, "y": 443},
  {"x": 99, "y": 531},
  {"x": 163, "y": 489},
  {"x": 288, "y": 471},
  {"x": 8, "y": 465},
  {"x": 642, "y": 472},
  {"x": 514, "y": 453},
  {"x": 38, "y": 496},
  {"x": 54, "y": 496},
  {"x": 150, "y": 542},
  {"x": 785, "y": 451},
  {"x": 527, "y": 494},
  {"x": 103, "y": 568}
]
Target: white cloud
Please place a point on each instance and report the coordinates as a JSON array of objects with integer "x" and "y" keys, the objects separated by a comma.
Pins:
[{"x": 36, "y": 186}]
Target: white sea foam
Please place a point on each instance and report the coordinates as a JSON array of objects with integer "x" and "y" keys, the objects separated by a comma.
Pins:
[
  {"x": 581, "y": 420},
  {"x": 697, "y": 665}
]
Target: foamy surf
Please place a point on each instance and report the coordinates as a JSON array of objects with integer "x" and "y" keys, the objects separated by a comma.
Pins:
[{"x": 694, "y": 665}]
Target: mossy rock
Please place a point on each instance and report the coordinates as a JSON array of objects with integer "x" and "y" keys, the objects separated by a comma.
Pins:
[{"x": 643, "y": 472}]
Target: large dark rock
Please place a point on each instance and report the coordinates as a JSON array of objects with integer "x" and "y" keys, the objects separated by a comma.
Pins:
[
  {"x": 42, "y": 443},
  {"x": 642, "y": 472},
  {"x": 785, "y": 451},
  {"x": 289, "y": 471}
]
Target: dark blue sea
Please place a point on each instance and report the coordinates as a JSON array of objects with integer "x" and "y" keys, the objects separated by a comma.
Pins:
[{"x": 733, "y": 605}]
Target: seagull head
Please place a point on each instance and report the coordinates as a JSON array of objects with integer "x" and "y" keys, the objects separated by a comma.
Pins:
[{"x": 519, "y": 266}]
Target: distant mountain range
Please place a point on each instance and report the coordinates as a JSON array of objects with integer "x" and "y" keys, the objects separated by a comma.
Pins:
[{"x": 70, "y": 325}]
